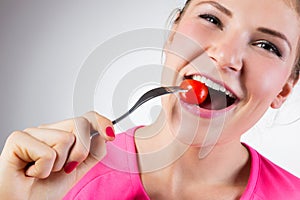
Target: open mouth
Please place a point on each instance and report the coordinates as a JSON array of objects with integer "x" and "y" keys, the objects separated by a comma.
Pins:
[{"x": 218, "y": 97}]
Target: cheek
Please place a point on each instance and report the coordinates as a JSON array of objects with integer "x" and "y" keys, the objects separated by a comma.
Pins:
[
  {"x": 181, "y": 48},
  {"x": 188, "y": 28},
  {"x": 198, "y": 34},
  {"x": 265, "y": 79}
]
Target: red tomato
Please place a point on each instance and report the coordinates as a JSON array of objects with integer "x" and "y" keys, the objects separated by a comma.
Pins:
[{"x": 197, "y": 91}]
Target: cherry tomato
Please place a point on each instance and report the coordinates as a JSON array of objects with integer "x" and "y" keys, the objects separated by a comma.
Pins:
[{"x": 197, "y": 91}]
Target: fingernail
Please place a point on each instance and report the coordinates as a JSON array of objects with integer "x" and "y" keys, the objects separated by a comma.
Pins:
[
  {"x": 110, "y": 132},
  {"x": 69, "y": 167}
]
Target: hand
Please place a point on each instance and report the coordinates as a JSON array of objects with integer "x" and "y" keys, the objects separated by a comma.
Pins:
[{"x": 45, "y": 162}]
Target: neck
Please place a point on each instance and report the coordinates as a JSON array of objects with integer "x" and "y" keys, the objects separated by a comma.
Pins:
[
  {"x": 162, "y": 154},
  {"x": 226, "y": 164}
]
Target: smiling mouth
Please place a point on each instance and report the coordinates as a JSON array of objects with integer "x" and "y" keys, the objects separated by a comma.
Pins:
[{"x": 218, "y": 98}]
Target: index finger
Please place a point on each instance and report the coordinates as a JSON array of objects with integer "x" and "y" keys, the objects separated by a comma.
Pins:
[{"x": 97, "y": 123}]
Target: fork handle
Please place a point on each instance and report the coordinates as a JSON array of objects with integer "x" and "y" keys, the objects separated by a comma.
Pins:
[{"x": 147, "y": 96}]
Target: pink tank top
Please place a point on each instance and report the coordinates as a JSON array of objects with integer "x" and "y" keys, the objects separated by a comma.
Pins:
[{"x": 116, "y": 177}]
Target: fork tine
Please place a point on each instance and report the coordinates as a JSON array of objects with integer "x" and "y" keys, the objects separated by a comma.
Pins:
[{"x": 173, "y": 89}]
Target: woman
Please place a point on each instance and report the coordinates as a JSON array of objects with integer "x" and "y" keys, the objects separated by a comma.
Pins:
[{"x": 191, "y": 151}]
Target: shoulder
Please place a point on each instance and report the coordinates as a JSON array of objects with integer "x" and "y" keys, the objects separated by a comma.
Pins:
[{"x": 272, "y": 181}]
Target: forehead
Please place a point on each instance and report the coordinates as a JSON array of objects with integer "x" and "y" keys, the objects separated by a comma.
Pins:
[
  {"x": 292, "y": 4},
  {"x": 278, "y": 14}
]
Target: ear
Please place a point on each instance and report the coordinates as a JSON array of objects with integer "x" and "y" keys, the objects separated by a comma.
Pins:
[
  {"x": 172, "y": 34},
  {"x": 283, "y": 95},
  {"x": 173, "y": 23}
]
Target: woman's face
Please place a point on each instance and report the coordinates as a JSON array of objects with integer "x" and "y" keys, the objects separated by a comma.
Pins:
[{"x": 252, "y": 45}]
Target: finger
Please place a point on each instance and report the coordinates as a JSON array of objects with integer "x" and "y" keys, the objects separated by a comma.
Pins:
[
  {"x": 88, "y": 123},
  {"x": 101, "y": 124},
  {"x": 97, "y": 123},
  {"x": 60, "y": 141},
  {"x": 80, "y": 127},
  {"x": 81, "y": 147},
  {"x": 64, "y": 125},
  {"x": 98, "y": 147},
  {"x": 21, "y": 149}
]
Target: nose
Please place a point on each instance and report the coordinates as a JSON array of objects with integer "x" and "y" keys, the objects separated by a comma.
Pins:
[{"x": 227, "y": 52}]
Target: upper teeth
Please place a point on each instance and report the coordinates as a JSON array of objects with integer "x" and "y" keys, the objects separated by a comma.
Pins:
[{"x": 213, "y": 85}]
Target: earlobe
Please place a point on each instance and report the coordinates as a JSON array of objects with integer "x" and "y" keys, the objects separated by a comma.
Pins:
[
  {"x": 277, "y": 102},
  {"x": 283, "y": 95}
]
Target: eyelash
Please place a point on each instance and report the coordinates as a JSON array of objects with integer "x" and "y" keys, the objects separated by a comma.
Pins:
[
  {"x": 212, "y": 19},
  {"x": 268, "y": 46}
]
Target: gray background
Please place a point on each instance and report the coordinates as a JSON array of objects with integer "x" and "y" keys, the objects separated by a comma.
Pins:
[{"x": 43, "y": 45}]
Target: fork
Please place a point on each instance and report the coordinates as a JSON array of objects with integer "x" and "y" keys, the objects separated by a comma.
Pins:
[{"x": 150, "y": 95}]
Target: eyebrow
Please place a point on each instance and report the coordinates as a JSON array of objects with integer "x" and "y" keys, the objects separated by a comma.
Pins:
[
  {"x": 276, "y": 34},
  {"x": 217, "y": 6},
  {"x": 260, "y": 29}
]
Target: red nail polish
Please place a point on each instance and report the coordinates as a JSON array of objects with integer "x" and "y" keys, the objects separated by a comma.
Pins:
[
  {"x": 69, "y": 167},
  {"x": 110, "y": 132}
]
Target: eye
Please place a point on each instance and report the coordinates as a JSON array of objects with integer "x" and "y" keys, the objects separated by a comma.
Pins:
[
  {"x": 212, "y": 19},
  {"x": 268, "y": 46}
]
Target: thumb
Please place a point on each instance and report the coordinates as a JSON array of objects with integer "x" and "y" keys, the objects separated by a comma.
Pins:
[{"x": 100, "y": 124}]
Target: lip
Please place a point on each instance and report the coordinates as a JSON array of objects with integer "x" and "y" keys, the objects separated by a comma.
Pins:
[{"x": 204, "y": 113}]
